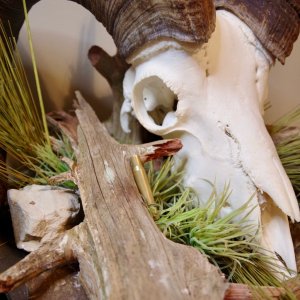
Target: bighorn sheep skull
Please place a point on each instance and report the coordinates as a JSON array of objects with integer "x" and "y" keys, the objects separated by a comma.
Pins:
[{"x": 213, "y": 100}]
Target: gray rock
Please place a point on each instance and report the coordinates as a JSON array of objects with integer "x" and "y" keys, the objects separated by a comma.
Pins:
[{"x": 41, "y": 212}]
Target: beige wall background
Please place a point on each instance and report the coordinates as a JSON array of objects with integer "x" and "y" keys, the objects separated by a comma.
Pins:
[
  {"x": 284, "y": 88},
  {"x": 62, "y": 34}
]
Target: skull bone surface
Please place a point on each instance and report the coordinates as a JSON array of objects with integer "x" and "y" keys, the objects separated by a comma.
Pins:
[{"x": 213, "y": 100}]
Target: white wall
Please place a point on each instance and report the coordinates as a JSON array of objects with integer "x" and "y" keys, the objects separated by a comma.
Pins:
[
  {"x": 284, "y": 92},
  {"x": 63, "y": 32}
]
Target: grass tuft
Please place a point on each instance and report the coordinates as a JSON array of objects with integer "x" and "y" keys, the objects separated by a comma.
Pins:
[
  {"x": 287, "y": 142},
  {"x": 226, "y": 242},
  {"x": 23, "y": 128}
]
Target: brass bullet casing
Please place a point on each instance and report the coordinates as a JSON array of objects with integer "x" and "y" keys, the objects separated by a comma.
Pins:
[{"x": 141, "y": 179}]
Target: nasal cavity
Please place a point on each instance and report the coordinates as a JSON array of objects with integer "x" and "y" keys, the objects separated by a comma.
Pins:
[{"x": 160, "y": 101}]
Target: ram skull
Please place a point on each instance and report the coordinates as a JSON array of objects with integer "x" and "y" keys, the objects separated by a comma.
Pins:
[{"x": 213, "y": 100}]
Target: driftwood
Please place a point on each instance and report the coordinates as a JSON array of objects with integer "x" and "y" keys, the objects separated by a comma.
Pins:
[{"x": 121, "y": 252}]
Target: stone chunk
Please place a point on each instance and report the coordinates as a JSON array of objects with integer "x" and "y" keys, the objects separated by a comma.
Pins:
[{"x": 40, "y": 212}]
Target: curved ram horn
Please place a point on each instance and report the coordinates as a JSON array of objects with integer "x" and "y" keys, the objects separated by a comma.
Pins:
[
  {"x": 275, "y": 23},
  {"x": 133, "y": 24}
]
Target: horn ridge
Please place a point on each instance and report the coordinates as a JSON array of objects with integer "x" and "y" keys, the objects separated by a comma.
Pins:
[
  {"x": 188, "y": 22},
  {"x": 133, "y": 23}
]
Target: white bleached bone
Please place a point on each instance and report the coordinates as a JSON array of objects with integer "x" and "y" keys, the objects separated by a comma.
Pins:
[{"x": 213, "y": 101}]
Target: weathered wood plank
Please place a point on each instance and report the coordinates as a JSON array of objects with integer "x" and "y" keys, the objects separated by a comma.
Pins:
[
  {"x": 136, "y": 259},
  {"x": 121, "y": 252}
]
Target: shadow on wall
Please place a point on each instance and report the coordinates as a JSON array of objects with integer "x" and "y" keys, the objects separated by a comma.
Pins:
[{"x": 62, "y": 34}]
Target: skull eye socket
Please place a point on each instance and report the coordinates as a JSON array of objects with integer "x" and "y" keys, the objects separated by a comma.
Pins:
[{"x": 156, "y": 103}]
